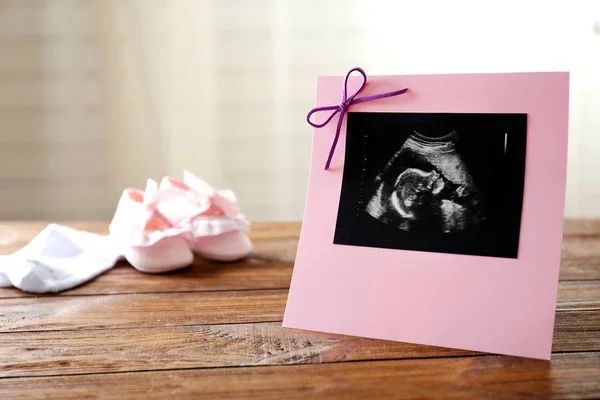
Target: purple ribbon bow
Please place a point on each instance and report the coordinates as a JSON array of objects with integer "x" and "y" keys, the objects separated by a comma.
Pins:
[{"x": 346, "y": 102}]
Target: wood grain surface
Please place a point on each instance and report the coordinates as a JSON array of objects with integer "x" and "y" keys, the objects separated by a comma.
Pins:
[
  {"x": 213, "y": 331},
  {"x": 169, "y": 309},
  {"x": 568, "y": 376},
  {"x": 211, "y": 346}
]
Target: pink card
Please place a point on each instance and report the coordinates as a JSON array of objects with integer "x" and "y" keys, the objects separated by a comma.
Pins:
[{"x": 439, "y": 220}]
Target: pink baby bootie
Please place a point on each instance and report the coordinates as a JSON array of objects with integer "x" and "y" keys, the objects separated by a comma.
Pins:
[
  {"x": 147, "y": 239},
  {"x": 213, "y": 217}
]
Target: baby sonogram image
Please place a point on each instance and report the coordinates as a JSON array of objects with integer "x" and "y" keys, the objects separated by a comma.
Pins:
[
  {"x": 437, "y": 182},
  {"x": 427, "y": 187}
]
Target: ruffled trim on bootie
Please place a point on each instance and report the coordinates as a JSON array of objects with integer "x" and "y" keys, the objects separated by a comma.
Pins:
[
  {"x": 202, "y": 226},
  {"x": 149, "y": 238}
]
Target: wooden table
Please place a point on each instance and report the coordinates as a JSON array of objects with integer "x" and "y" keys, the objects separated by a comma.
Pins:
[{"x": 214, "y": 330}]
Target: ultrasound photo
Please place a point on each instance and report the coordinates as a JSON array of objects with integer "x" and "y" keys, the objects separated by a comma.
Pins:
[{"x": 449, "y": 183}]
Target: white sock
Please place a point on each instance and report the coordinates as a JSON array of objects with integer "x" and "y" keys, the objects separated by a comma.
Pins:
[{"x": 58, "y": 258}]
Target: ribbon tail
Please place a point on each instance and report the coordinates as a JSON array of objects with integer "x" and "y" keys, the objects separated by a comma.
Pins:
[{"x": 335, "y": 139}]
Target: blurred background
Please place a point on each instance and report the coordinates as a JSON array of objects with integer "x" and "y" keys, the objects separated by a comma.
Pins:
[{"x": 99, "y": 95}]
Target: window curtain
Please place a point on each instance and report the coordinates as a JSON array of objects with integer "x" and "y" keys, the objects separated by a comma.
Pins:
[{"x": 97, "y": 96}]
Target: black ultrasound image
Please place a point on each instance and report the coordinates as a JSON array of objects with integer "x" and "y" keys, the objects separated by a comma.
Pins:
[{"x": 449, "y": 183}]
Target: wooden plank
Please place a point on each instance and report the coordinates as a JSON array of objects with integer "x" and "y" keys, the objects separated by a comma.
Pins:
[
  {"x": 269, "y": 267},
  {"x": 141, "y": 310},
  {"x": 580, "y": 258},
  {"x": 281, "y": 230},
  {"x": 160, "y": 309},
  {"x": 578, "y": 295},
  {"x": 576, "y": 331},
  {"x": 211, "y": 346},
  {"x": 568, "y": 376},
  {"x": 14, "y": 235},
  {"x": 22, "y": 232},
  {"x": 587, "y": 227},
  {"x": 208, "y": 346},
  {"x": 260, "y": 230}
]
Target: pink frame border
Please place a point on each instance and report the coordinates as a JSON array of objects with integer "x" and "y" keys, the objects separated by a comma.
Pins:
[{"x": 496, "y": 305}]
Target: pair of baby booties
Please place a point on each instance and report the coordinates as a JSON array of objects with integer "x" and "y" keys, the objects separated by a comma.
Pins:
[{"x": 159, "y": 229}]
